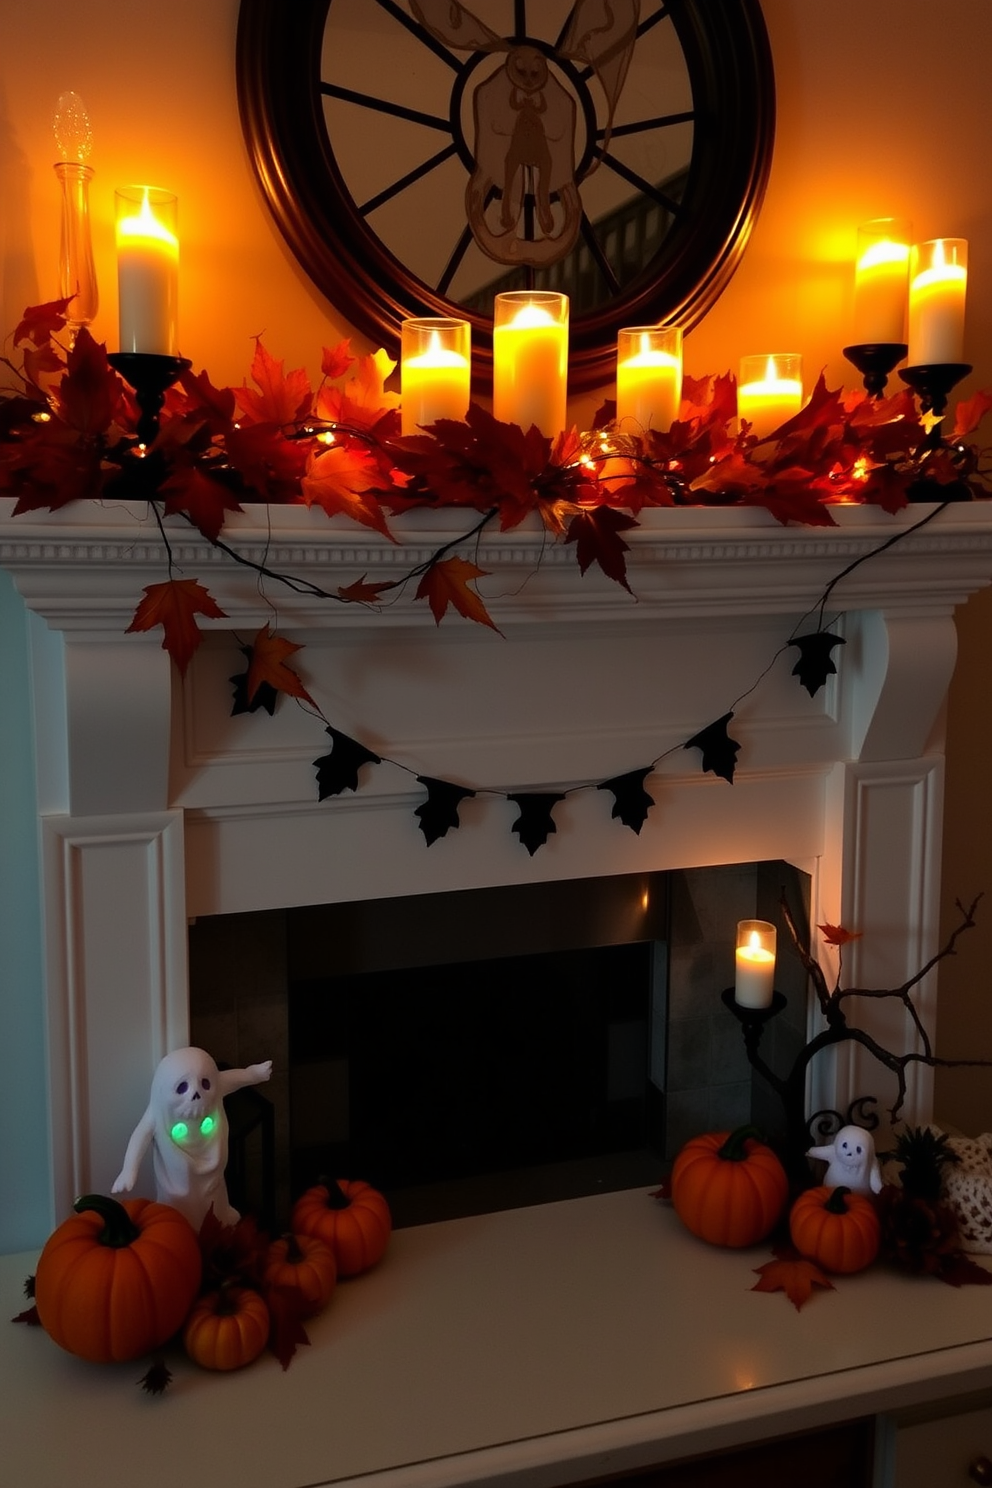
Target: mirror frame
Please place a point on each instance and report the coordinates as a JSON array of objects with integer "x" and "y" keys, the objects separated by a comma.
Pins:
[{"x": 730, "y": 68}]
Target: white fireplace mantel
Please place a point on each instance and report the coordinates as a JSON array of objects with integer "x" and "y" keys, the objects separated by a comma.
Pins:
[{"x": 156, "y": 805}]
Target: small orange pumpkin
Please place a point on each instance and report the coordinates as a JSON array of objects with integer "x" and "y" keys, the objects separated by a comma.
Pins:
[
  {"x": 729, "y": 1188},
  {"x": 227, "y": 1329},
  {"x": 305, "y": 1265},
  {"x": 836, "y": 1228},
  {"x": 116, "y": 1280},
  {"x": 352, "y": 1217}
]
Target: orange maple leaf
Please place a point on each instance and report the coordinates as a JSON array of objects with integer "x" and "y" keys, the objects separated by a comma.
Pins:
[
  {"x": 282, "y": 397},
  {"x": 341, "y": 480},
  {"x": 363, "y": 592},
  {"x": 174, "y": 605},
  {"x": 447, "y": 583},
  {"x": 970, "y": 412},
  {"x": 268, "y": 664},
  {"x": 362, "y": 401},
  {"x": 335, "y": 360},
  {"x": 792, "y": 1274},
  {"x": 836, "y": 935}
]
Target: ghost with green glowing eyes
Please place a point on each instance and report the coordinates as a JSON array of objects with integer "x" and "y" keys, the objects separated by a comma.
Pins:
[{"x": 186, "y": 1127}]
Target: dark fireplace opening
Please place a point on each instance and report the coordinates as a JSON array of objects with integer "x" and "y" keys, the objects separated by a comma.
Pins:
[{"x": 490, "y": 1048}]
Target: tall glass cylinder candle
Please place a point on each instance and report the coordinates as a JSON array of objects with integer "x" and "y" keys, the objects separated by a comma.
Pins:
[
  {"x": 938, "y": 282},
  {"x": 530, "y": 359},
  {"x": 147, "y": 269},
  {"x": 649, "y": 377},
  {"x": 435, "y": 371},
  {"x": 755, "y": 982},
  {"x": 881, "y": 282},
  {"x": 769, "y": 390}
]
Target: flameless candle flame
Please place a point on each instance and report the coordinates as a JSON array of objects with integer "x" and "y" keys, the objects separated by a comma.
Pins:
[
  {"x": 939, "y": 281},
  {"x": 147, "y": 271},
  {"x": 755, "y": 982},
  {"x": 435, "y": 371},
  {"x": 530, "y": 360},
  {"x": 73, "y": 134}
]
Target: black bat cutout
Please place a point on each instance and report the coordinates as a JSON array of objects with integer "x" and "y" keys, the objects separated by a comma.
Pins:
[
  {"x": 265, "y": 694},
  {"x": 439, "y": 813},
  {"x": 815, "y": 663},
  {"x": 338, "y": 771},
  {"x": 631, "y": 802},
  {"x": 719, "y": 750},
  {"x": 534, "y": 825}
]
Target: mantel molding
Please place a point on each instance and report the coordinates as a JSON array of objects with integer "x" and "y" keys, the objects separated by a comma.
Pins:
[{"x": 84, "y": 569}]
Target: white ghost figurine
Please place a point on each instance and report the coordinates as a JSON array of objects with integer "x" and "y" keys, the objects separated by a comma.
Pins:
[
  {"x": 186, "y": 1126},
  {"x": 851, "y": 1161}
]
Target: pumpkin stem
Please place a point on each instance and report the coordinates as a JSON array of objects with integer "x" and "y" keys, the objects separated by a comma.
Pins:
[
  {"x": 293, "y": 1251},
  {"x": 119, "y": 1229},
  {"x": 336, "y": 1197},
  {"x": 734, "y": 1149},
  {"x": 837, "y": 1202}
]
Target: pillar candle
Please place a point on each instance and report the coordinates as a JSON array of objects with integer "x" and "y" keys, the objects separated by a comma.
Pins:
[
  {"x": 769, "y": 390},
  {"x": 530, "y": 360},
  {"x": 435, "y": 371},
  {"x": 147, "y": 270},
  {"x": 755, "y": 982},
  {"x": 881, "y": 282},
  {"x": 938, "y": 283},
  {"x": 649, "y": 377}
]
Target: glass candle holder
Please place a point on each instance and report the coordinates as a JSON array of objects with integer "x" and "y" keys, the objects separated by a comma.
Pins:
[
  {"x": 435, "y": 371},
  {"x": 530, "y": 359},
  {"x": 77, "y": 275},
  {"x": 769, "y": 390},
  {"x": 147, "y": 269},
  {"x": 938, "y": 283},
  {"x": 755, "y": 981},
  {"x": 881, "y": 281},
  {"x": 649, "y": 377}
]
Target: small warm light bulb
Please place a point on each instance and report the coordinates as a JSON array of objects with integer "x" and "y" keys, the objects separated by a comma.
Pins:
[
  {"x": 73, "y": 134},
  {"x": 530, "y": 316}
]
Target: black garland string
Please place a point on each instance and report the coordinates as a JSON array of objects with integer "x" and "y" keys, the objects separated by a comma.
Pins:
[{"x": 339, "y": 770}]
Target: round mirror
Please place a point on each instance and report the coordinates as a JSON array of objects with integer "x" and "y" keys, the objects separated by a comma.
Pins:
[{"x": 422, "y": 156}]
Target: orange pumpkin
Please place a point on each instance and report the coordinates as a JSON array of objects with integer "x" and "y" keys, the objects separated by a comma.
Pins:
[
  {"x": 305, "y": 1265},
  {"x": 227, "y": 1329},
  {"x": 836, "y": 1228},
  {"x": 351, "y": 1216},
  {"x": 729, "y": 1188},
  {"x": 116, "y": 1280}
]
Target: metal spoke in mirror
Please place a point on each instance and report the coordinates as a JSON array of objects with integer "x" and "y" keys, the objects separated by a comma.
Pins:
[{"x": 422, "y": 156}]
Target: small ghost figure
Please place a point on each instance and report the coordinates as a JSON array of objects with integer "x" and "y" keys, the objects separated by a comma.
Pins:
[
  {"x": 186, "y": 1126},
  {"x": 851, "y": 1161}
]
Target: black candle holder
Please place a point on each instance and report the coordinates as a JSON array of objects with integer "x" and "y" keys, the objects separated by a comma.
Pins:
[
  {"x": 932, "y": 381},
  {"x": 150, "y": 374},
  {"x": 801, "y": 1132},
  {"x": 875, "y": 360}
]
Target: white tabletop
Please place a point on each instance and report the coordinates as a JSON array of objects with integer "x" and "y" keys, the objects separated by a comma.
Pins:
[{"x": 547, "y": 1344}]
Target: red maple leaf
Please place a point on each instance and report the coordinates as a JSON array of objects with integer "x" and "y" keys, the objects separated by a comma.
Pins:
[
  {"x": 446, "y": 583},
  {"x": 361, "y": 592},
  {"x": 40, "y": 322},
  {"x": 596, "y": 535},
  {"x": 89, "y": 394},
  {"x": 335, "y": 360},
  {"x": 282, "y": 398},
  {"x": 174, "y": 605},
  {"x": 205, "y": 501},
  {"x": 342, "y": 479},
  {"x": 267, "y": 460},
  {"x": 836, "y": 935},
  {"x": 792, "y": 1274},
  {"x": 970, "y": 412},
  {"x": 215, "y": 405},
  {"x": 268, "y": 664},
  {"x": 286, "y": 1331},
  {"x": 42, "y": 363},
  {"x": 50, "y": 467},
  {"x": 792, "y": 495}
]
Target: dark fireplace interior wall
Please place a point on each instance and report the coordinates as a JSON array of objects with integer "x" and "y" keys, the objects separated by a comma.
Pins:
[{"x": 243, "y": 967}]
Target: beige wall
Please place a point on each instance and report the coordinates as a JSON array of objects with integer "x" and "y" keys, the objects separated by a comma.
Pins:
[{"x": 884, "y": 109}]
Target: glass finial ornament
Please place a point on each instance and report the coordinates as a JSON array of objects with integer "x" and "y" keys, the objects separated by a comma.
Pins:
[{"x": 77, "y": 275}]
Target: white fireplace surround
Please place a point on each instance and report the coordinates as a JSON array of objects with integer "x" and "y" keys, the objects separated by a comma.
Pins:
[{"x": 155, "y": 805}]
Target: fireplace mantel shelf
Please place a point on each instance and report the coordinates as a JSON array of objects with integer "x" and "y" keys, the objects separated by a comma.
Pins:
[
  {"x": 82, "y": 567},
  {"x": 535, "y": 1347}
]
